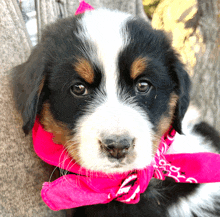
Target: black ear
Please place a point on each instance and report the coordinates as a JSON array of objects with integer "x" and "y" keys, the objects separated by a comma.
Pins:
[
  {"x": 28, "y": 79},
  {"x": 183, "y": 91}
]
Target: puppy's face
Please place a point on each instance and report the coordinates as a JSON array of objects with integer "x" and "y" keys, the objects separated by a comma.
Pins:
[{"x": 107, "y": 86}]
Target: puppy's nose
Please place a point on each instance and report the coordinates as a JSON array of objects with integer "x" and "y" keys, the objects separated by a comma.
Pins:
[{"x": 117, "y": 146}]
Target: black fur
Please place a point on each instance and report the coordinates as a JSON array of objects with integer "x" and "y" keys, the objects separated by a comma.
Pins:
[
  {"x": 51, "y": 63},
  {"x": 27, "y": 80},
  {"x": 208, "y": 133},
  {"x": 164, "y": 71}
]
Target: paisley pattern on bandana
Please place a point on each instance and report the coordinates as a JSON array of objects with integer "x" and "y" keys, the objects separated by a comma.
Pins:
[{"x": 164, "y": 168}]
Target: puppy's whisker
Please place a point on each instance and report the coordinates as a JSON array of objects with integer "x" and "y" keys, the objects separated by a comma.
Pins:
[
  {"x": 61, "y": 163},
  {"x": 52, "y": 173},
  {"x": 72, "y": 162}
]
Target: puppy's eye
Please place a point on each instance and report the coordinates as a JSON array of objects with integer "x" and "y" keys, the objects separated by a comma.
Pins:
[
  {"x": 143, "y": 86},
  {"x": 78, "y": 90}
]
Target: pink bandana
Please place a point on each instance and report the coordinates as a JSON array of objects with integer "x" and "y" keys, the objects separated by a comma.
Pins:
[
  {"x": 83, "y": 6},
  {"x": 86, "y": 187}
]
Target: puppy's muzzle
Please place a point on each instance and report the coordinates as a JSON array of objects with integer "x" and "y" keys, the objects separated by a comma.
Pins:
[{"x": 117, "y": 146}]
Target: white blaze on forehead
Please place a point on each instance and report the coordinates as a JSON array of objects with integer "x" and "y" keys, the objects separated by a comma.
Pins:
[
  {"x": 105, "y": 29},
  {"x": 104, "y": 35}
]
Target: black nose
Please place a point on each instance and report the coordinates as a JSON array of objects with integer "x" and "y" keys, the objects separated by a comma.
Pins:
[{"x": 117, "y": 146}]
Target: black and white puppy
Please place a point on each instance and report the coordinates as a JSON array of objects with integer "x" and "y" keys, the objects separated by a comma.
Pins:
[{"x": 108, "y": 86}]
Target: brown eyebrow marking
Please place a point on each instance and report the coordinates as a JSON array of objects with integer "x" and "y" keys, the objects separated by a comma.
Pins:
[
  {"x": 138, "y": 67},
  {"x": 84, "y": 68}
]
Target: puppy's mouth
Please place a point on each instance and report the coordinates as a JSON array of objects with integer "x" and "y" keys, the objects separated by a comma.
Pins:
[
  {"x": 118, "y": 163},
  {"x": 115, "y": 165}
]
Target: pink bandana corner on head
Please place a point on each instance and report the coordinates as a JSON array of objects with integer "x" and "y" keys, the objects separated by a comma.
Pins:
[{"x": 83, "y": 6}]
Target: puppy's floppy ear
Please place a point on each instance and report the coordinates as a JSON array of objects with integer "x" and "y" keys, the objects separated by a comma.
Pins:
[
  {"x": 28, "y": 81},
  {"x": 183, "y": 91}
]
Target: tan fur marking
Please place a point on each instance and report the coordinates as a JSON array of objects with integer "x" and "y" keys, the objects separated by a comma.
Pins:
[
  {"x": 62, "y": 135},
  {"x": 165, "y": 121},
  {"x": 138, "y": 67},
  {"x": 85, "y": 70},
  {"x": 41, "y": 86}
]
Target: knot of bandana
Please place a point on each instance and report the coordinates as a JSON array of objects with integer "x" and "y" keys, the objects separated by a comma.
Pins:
[{"x": 129, "y": 189}]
